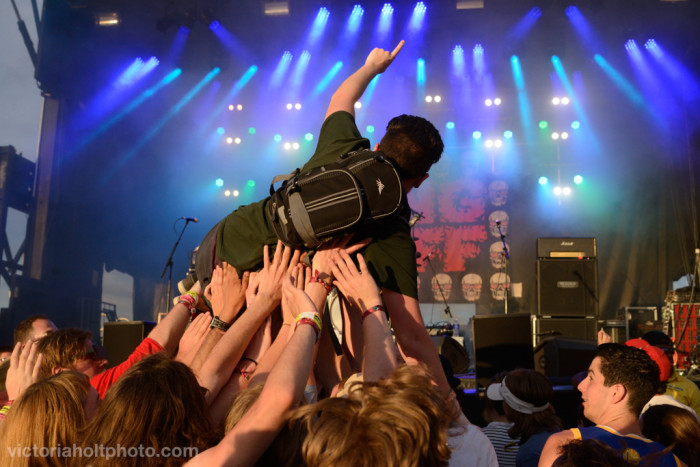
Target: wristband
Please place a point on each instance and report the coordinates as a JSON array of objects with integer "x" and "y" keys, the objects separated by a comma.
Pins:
[
  {"x": 5, "y": 409},
  {"x": 312, "y": 315},
  {"x": 217, "y": 323},
  {"x": 312, "y": 319},
  {"x": 316, "y": 278},
  {"x": 190, "y": 302},
  {"x": 371, "y": 310}
]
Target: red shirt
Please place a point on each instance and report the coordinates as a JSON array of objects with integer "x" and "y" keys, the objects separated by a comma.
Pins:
[{"x": 107, "y": 378}]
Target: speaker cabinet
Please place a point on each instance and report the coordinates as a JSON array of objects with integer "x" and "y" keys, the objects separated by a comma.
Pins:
[
  {"x": 501, "y": 343},
  {"x": 453, "y": 351},
  {"x": 567, "y": 287},
  {"x": 121, "y": 338},
  {"x": 563, "y": 357},
  {"x": 575, "y": 328}
]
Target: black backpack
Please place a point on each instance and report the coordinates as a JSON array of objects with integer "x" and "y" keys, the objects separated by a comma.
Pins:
[{"x": 309, "y": 208}]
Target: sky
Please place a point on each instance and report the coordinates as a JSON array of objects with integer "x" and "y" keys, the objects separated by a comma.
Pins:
[{"x": 21, "y": 98}]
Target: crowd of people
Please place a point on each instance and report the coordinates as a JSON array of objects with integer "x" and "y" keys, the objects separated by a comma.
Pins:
[{"x": 245, "y": 370}]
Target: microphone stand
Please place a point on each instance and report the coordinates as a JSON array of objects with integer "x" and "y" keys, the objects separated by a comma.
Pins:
[
  {"x": 169, "y": 266},
  {"x": 442, "y": 293},
  {"x": 506, "y": 257}
]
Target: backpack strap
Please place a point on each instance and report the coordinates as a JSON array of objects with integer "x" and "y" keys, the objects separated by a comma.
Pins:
[
  {"x": 282, "y": 178},
  {"x": 301, "y": 221}
]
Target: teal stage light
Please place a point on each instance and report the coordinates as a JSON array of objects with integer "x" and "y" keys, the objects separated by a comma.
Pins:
[
  {"x": 219, "y": 182},
  {"x": 476, "y": 135},
  {"x": 575, "y": 125},
  {"x": 578, "y": 179},
  {"x": 450, "y": 125},
  {"x": 308, "y": 137},
  {"x": 370, "y": 129},
  {"x": 278, "y": 138},
  {"x": 544, "y": 124},
  {"x": 508, "y": 134},
  {"x": 543, "y": 180}
]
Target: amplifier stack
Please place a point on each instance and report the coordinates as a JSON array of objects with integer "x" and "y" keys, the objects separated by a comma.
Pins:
[{"x": 567, "y": 296}]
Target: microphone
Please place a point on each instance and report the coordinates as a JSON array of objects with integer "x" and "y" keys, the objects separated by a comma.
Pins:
[
  {"x": 190, "y": 219},
  {"x": 498, "y": 223}
]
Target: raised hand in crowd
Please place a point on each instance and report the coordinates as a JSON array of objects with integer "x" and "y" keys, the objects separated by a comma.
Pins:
[
  {"x": 282, "y": 391},
  {"x": 192, "y": 339},
  {"x": 224, "y": 357},
  {"x": 380, "y": 357},
  {"x": 25, "y": 363}
]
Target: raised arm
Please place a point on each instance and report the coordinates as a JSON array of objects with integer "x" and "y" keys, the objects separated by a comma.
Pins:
[
  {"x": 360, "y": 289},
  {"x": 354, "y": 86},
  {"x": 218, "y": 367},
  {"x": 251, "y": 436}
]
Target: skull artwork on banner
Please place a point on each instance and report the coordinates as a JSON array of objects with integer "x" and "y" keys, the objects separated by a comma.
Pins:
[
  {"x": 498, "y": 192},
  {"x": 445, "y": 282},
  {"x": 471, "y": 287},
  {"x": 499, "y": 283}
]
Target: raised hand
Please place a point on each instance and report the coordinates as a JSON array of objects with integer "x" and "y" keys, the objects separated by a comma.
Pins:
[
  {"x": 274, "y": 271},
  {"x": 25, "y": 363},
  {"x": 358, "y": 286},
  {"x": 295, "y": 298},
  {"x": 228, "y": 291},
  {"x": 379, "y": 59},
  {"x": 193, "y": 337}
]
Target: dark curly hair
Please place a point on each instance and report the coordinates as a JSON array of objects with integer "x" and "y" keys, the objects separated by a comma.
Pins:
[
  {"x": 632, "y": 368},
  {"x": 413, "y": 143}
]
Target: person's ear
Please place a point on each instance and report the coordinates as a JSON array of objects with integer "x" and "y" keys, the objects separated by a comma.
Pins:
[
  {"x": 420, "y": 180},
  {"x": 618, "y": 393},
  {"x": 376, "y": 147},
  {"x": 57, "y": 369}
]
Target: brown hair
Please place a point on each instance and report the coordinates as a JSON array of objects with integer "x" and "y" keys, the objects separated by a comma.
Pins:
[
  {"x": 589, "y": 452},
  {"x": 533, "y": 387},
  {"x": 48, "y": 414},
  {"x": 61, "y": 348},
  {"x": 673, "y": 427},
  {"x": 157, "y": 403},
  {"x": 24, "y": 329},
  {"x": 400, "y": 421}
]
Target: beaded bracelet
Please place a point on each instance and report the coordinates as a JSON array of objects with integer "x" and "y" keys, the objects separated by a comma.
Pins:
[
  {"x": 371, "y": 310},
  {"x": 316, "y": 278}
]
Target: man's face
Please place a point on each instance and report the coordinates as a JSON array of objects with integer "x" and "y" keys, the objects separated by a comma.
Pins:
[
  {"x": 594, "y": 392},
  {"x": 42, "y": 327},
  {"x": 88, "y": 362}
]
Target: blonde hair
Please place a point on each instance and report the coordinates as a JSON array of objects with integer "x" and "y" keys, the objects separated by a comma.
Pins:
[
  {"x": 400, "y": 421},
  {"x": 244, "y": 401},
  {"x": 48, "y": 414}
]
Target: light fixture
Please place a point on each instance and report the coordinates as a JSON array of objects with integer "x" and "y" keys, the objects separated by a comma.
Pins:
[
  {"x": 107, "y": 18},
  {"x": 276, "y": 8}
]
